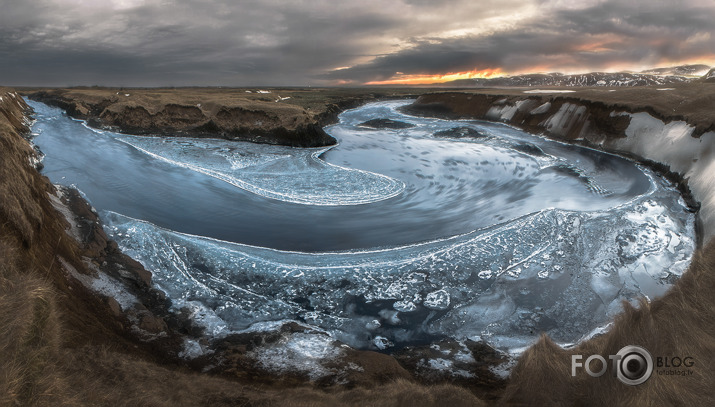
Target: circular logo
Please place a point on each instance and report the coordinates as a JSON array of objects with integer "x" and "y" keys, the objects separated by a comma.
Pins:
[{"x": 635, "y": 365}]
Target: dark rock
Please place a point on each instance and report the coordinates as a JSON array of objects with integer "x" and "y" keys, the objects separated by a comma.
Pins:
[
  {"x": 469, "y": 364},
  {"x": 529, "y": 149},
  {"x": 386, "y": 124},
  {"x": 151, "y": 323},
  {"x": 461, "y": 132}
]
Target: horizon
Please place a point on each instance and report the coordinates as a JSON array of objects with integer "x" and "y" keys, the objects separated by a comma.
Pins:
[
  {"x": 168, "y": 43},
  {"x": 351, "y": 86}
]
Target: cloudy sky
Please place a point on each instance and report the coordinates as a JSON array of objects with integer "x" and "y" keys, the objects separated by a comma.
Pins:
[{"x": 331, "y": 42}]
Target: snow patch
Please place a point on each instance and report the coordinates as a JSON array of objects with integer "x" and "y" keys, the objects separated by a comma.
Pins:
[
  {"x": 102, "y": 284},
  {"x": 192, "y": 349},
  {"x": 57, "y": 203},
  {"x": 503, "y": 370},
  {"x": 446, "y": 366},
  {"x": 542, "y": 109},
  {"x": 563, "y": 120},
  {"x": 549, "y": 91},
  {"x": 673, "y": 144},
  {"x": 304, "y": 353}
]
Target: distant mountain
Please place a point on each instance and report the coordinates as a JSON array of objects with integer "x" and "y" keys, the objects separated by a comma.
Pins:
[
  {"x": 682, "y": 70},
  {"x": 659, "y": 76},
  {"x": 710, "y": 76}
]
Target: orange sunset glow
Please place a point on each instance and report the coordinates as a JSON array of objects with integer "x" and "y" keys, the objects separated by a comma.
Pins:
[{"x": 402, "y": 79}]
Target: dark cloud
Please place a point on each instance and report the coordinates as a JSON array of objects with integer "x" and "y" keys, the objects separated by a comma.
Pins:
[
  {"x": 270, "y": 42},
  {"x": 189, "y": 42},
  {"x": 601, "y": 36}
]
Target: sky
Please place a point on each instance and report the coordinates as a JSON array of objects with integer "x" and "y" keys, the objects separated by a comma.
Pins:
[{"x": 335, "y": 42}]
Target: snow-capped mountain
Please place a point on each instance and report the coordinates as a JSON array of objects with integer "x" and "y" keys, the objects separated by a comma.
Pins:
[
  {"x": 682, "y": 70},
  {"x": 710, "y": 76},
  {"x": 659, "y": 76}
]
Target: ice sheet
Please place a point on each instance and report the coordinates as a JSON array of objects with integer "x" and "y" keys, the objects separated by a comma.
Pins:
[{"x": 283, "y": 173}]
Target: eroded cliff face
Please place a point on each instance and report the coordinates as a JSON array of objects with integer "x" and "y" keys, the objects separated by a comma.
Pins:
[
  {"x": 55, "y": 230},
  {"x": 197, "y": 114},
  {"x": 683, "y": 144},
  {"x": 58, "y": 271}
]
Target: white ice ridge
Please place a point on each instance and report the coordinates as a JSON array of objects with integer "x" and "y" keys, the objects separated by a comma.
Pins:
[{"x": 295, "y": 175}]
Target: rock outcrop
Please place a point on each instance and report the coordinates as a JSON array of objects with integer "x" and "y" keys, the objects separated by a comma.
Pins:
[{"x": 147, "y": 112}]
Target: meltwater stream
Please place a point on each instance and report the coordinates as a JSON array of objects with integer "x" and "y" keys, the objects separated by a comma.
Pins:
[{"x": 457, "y": 229}]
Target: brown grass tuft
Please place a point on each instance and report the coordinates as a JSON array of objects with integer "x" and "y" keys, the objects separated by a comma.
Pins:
[
  {"x": 29, "y": 338},
  {"x": 681, "y": 323}
]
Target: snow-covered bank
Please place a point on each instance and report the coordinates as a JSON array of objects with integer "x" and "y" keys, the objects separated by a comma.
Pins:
[{"x": 673, "y": 144}]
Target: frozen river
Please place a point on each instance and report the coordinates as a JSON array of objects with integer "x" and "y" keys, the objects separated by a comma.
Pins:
[{"x": 457, "y": 229}]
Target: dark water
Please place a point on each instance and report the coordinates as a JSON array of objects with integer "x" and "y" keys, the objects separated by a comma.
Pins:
[{"x": 450, "y": 186}]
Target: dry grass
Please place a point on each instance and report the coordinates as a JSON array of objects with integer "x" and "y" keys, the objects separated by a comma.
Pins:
[
  {"x": 29, "y": 337},
  {"x": 18, "y": 202},
  {"x": 103, "y": 377},
  {"x": 681, "y": 323}
]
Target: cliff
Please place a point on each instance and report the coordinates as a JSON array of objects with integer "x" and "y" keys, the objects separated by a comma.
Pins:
[
  {"x": 292, "y": 117},
  {"x": 192, "y": 113}
]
